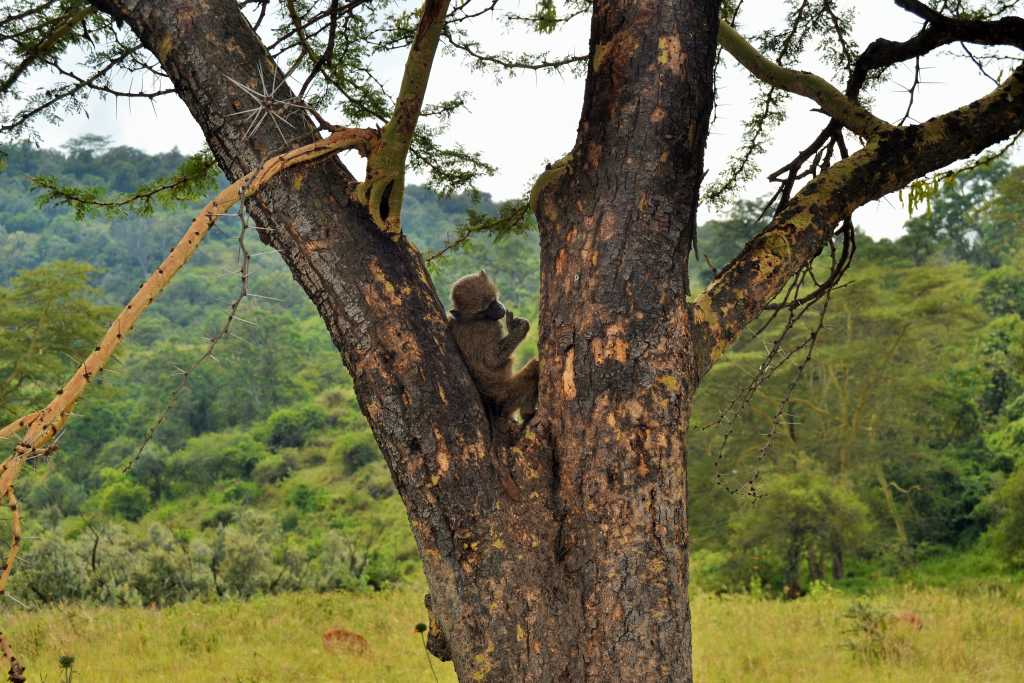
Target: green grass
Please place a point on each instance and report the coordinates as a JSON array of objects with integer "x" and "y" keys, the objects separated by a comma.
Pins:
[{"x": 965, "y": 637}]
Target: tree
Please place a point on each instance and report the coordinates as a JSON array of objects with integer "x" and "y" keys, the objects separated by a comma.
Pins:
[
  {"x": 804, "y": 517},
  {"x": 561, "y": 551},
  {"x": 953, "y": 225},
  {"x": 49, "y": 321}
]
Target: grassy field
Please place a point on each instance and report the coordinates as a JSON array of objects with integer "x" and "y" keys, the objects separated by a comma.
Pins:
[{"x": 962, "y": 637}]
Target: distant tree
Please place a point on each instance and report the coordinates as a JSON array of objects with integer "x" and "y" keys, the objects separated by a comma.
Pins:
[
  {"x": 54, "y": 573},
  {"x": 50, "y": 320},
  {"x": 87, "y": 146},
  {"x": 954, "y": 224},
  {"x": 125, "y": 498},
  {"x": 1007, "y": 504},
  {"x": 217, "y": 455},
  {"x": 355, "y": 450},
  {"x": 803, "y": 523},
  {"x": 876, "y": 404},
  {"x": 295, "y": 426},
  {"x": 1002, "y": 289}
]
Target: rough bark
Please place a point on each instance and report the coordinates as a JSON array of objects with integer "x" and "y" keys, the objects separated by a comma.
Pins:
[{"x": 616, "y": 224}]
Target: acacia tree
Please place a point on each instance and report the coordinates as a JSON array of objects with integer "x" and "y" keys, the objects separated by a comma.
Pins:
[{"x": 560, "y": 553}]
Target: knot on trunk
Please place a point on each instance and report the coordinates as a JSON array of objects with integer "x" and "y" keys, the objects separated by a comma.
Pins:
[{"x": 437, "y": 643}]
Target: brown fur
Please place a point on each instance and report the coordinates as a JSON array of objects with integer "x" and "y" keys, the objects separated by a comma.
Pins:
[
  {"x": 343, "y": 640},
  {"x": 488, "y": 352},
  {"x": 911, "y": 619}
]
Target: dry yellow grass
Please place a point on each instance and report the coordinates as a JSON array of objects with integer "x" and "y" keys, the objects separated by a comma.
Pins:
[
  {"x": 976, "y": 637},
  {"x": 267, "y": 639}
]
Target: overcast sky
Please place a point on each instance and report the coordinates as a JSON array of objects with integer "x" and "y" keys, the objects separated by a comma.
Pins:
[{"x": 525, "y": 121}]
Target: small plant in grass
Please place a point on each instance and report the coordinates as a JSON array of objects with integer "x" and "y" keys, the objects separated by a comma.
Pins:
[
  {"x": 67, "y": 668},
  {"x": 872, "y": 637}
]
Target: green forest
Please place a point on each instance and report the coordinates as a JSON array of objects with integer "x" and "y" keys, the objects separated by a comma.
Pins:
[{"x": 878, "y": 442}]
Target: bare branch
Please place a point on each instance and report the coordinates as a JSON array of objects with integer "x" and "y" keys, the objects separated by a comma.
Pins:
[{"x": 941, "y": 30}]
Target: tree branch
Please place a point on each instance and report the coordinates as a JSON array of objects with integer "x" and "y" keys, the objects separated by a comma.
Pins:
[
  {"x": 59, "y": 32},
  {"x": 941, "y": 30},
  {"x": 832, "y": 101},
  {"x": 384, "y": 186},
  {"x": 795, "y": 237}
]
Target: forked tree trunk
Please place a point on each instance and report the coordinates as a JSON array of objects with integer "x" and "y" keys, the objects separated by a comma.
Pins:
[
  {"x": 576, "y": 570},
  {"x": 562, "y": 556}
]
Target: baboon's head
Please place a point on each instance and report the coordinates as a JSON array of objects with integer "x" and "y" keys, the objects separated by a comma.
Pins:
[{"x": 475, "y": 297}]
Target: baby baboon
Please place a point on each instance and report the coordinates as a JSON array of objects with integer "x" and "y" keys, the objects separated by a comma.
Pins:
[{"x": 476, "y": 324}]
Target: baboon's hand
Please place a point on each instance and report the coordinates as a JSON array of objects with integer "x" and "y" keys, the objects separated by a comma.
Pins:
[{"x": 517, "y": 326}]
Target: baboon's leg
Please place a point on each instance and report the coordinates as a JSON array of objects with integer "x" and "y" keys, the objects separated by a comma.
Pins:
[{"x": 522, "y": 392}]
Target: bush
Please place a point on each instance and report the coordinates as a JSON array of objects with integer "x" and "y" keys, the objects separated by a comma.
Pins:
[
  {"x": 50, "y": 570},
  {"x": 244, "y": 568},
  {"x": 1002, "y": 291},
  {"x": 273, "y": 469},
  {"x": 294, "y": 426},
  {"x": 708, "y": 571},
  {"x": 244, "y": 492},
  {"x": 355, "y": 450},
  {"x": 872, "y": 637},
  {"x": 221, "y": 455},
  {"x": 306, "y": 498},
  {"x": 55, "y": 490},
  {"x": 1007, "y": 504},
  {"x": 168, "y": 572},
  {"x": 126, "y": 499},
  {"x": 375, "y": 480},
  {"x": 220, "y": 517}
]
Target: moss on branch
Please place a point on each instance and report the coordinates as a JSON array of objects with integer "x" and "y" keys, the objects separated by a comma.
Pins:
[
  {"x": 832, "y": 101},
  {"x": 885, "y": 164},
  {"x": 552, "y": 173},
  {"x": 382, "y": 190}
]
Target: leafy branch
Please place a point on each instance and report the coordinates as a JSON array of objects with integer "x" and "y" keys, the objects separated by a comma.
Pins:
[{"x": 195, "y": 178}]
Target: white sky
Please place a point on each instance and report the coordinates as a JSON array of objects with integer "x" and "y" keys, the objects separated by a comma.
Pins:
[{"x": 522, "y": 122}]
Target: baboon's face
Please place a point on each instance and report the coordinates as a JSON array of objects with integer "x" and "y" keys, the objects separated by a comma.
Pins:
[{"x": 476, "y": 298}]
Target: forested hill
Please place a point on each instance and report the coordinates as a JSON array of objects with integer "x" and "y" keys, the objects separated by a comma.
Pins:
[
  {"x": 892, "y": 453},
  {"x": 125, "y": 249}
]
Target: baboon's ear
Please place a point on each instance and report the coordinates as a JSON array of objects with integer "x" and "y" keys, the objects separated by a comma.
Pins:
[{"x": 455, "y": 314}]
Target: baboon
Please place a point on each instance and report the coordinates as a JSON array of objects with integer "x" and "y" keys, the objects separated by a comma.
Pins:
[{"x": 476, "y": 323}]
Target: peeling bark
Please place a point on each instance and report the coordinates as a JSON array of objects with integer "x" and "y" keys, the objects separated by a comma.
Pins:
[{"x": 617, "y": 219}]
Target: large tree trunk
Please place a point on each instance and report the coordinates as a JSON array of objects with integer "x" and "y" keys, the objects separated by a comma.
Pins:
[{"x": 617, "y": 361}]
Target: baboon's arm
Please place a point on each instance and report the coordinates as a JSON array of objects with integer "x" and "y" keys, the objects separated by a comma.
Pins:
[{"x": 517, "y": 331}]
